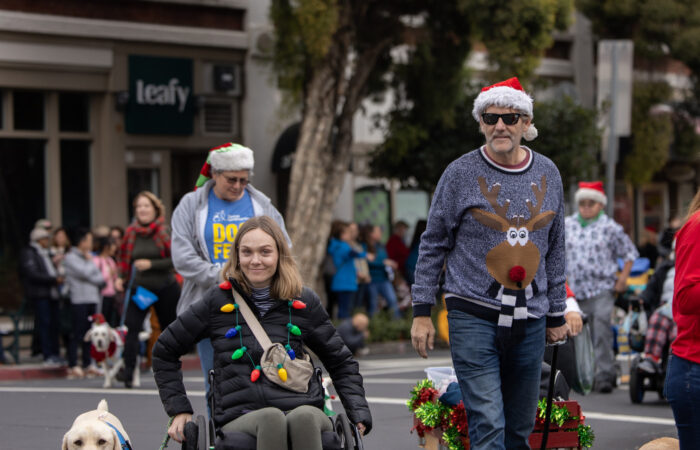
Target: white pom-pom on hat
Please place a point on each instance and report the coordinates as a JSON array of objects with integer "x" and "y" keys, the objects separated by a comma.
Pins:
[{"x": 531, "y": 133}]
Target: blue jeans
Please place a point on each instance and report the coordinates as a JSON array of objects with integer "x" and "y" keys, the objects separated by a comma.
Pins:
[
  {"x": 48, "y": 321},
  {"x": 682, "y": 389},
  {"x": 386, "y": 290},
  {"x": 206, "y": 360},
  {"x": 346, "y": 300},
  {"x": 500, "y": 388}
]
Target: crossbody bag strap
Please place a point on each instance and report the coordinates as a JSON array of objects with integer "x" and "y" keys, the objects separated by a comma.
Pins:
[{"x": 252, "y": 321}]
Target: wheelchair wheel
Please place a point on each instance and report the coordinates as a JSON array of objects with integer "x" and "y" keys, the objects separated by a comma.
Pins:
[
  {"x": 636, "y": 383},
  {"x": 202, "y": 433},
  {"x": 344, "y": 431}
]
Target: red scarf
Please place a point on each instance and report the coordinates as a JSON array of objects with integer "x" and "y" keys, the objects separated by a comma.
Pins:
[{"x": 156, "y": 230}]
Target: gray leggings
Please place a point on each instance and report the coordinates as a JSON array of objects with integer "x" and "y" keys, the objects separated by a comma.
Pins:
[{"x": 303, "y": 425}]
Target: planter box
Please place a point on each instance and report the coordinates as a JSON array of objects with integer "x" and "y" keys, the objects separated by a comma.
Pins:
[{"x": 565, "y": 436}]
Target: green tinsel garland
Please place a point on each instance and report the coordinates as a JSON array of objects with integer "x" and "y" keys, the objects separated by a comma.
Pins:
[
  {"x": 585, "y": 436},
  {"x": 452, "y": 438},
  {"x": 415, "y": 392},
  {"x": 431, "y": 414},
  {"x": 561, "y": 414}
]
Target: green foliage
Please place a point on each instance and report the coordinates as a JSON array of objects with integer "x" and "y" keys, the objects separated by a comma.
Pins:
[
  {"x": 558, "y": 414},
  {"x": 432, "y": 414},
  {"x": 453, "y": 439},
  {"x": 686, "y": 142},
  {"x": 569, "y": 136},
  {"x": 586, "y": 436},
  {"x": 384, "y": 327},
  {"x": 425, "y": 383},
  {"x": 652, "y": 133}
]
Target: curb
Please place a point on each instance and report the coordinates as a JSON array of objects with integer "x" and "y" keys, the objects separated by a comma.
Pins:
[{"x": 15, "y": 372}]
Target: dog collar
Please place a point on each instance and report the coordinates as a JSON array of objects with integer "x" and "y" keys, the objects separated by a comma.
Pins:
[{"x": 124, "y": 443}]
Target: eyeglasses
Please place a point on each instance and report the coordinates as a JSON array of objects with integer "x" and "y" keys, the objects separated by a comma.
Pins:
[
  {"x": 587, "y": 203},
  {"x": 234, "y": 180},
  {"x": 508, "y": 119}
]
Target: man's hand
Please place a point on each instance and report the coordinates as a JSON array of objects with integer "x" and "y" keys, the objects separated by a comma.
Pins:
[
  {"x": 575, "y": 322},
  {"x": 620, "y": 285},
  {"x": 361, "y": 428},
  {"x": 176, "y": 431},
  {"x": 557, "y": 334},
  {"x": 422, "y": 335}
]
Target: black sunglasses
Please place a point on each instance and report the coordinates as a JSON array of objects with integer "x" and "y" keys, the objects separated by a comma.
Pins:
[{"x": 508, "y": 119}]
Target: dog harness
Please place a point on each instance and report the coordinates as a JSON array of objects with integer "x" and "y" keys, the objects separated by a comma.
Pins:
[{"x": 124, "y": 443}]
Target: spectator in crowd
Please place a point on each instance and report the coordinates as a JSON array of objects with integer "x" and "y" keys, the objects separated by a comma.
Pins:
[
  {"x": 117, "y": 234},
  {"x": 104, "y": 260},
  {"x": 355, "y": 332},
  {"x": 649, "y": 246},
  {"x": 361, "y": 267},
  {"x": 205, "y": 224},
  {"x": 594, "y": 243},
  {"x": 683, "y": 376},
  {"x": 396, "y": 246},
  {"x": 60, "y": 245},
  {"x": 344, "y": 284},
  {"x": 44, "y": 224},
  {"x": 380, "y": 267},
  {"x": 85, "y": 281},
  {"x": 667, "y": 235},
  {"x": 145, "y": 255},
  {"x": 41, "y": 280},
  {"x": 410, "y": 266}
]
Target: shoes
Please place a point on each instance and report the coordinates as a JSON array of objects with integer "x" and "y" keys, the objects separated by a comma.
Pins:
[
  {"x": 53, "y": 361},
  {"x": 75, "y": 372},
  {"x": 93, "y": 371},
  {"x": 121, "y": 376},
  {"x": 648, "y": 366}
]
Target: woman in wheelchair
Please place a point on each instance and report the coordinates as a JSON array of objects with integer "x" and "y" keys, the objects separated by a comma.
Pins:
[{"x": 250, "y": 396}]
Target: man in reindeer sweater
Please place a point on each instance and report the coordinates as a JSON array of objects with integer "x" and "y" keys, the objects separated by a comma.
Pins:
[{"x": 496, "y": 224}]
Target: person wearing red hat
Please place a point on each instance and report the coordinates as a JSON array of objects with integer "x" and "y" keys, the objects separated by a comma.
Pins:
[
  {"x": 205, "y": 223},
  {"x": 497, "y": 224},
  {"x": 594, "y": 243}
]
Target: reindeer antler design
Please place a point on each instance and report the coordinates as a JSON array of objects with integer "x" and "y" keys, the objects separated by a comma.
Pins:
[
  {"x": 539, "y": 196},
  {"x": 491, "y": 194}
]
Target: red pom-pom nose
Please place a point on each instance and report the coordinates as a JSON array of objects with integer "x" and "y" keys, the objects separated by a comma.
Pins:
[{"x": 517, "y": 274}]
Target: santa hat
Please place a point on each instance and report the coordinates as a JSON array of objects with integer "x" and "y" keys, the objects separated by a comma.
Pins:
[
  {"x": 227, "y": 157},
  {"x": 591, "y": 190},
  {"x": 506, "y": 94},
  {"x": 97, "y": 318}
]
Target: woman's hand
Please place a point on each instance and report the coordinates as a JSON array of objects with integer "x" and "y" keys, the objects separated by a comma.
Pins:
[
  {"x": 119, "y": 285},
  {"x": 573, "y": 319},
  {"x": 361, "y": 428},
  {"x": 176, "y": 431},
  {"x": 370, "y": 257},
  {"x": 391, "y": 263},
  {"x": 142, "y": 264}
]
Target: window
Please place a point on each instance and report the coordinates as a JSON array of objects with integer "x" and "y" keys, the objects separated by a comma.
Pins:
[
  {"x": 73, "y": 112},
  {"x": 75, "y": 183},
  {"x": 141, "y": 179},
  {"x": 28, "y": 110}
]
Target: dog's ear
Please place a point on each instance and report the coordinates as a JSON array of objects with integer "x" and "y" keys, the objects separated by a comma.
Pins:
[
  {"x": 88, "y": 335},
  {"x": 64, "y": 446}
]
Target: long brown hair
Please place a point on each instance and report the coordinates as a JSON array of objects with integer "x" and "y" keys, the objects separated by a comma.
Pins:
[
  {"x": 694, "y": 205},
  {"x": 155, "y": 201},
  {"x": 286, "y": 283}
]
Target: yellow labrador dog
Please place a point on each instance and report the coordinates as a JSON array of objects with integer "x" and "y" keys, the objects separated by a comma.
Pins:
[
  {"x": 96, "y": 430},
  {"x": 664, "y": 443}
]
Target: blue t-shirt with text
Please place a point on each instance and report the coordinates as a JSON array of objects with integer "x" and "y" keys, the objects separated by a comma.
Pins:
[{"x": 223, "y": 220}]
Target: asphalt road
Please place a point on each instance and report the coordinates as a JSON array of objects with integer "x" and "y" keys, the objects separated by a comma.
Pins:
[{"x": 35, "y": 414}]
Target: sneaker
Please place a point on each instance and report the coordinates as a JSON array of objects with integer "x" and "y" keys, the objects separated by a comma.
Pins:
[
  {"x": 52, "y": 362},
  {"x": 75, "y": 372},
  {"x": 648, "y": 366}
]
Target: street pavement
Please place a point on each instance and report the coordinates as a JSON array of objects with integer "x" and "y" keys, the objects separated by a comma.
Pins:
[{"x": 37, "y": 412}]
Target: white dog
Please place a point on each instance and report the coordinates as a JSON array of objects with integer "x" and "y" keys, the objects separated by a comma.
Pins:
[
  {"x": 106, "y": 347},
  {"x": 96, "y": 430}
]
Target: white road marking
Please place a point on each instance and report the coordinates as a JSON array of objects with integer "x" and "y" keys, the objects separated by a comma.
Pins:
[{"x": 371, "y": 400}]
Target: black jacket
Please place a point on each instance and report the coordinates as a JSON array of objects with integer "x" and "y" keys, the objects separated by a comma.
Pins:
[
  {"x": 35, "y": 276},
  {"x": 655, "y": 286},
  {"x": 233, "y": 391}
]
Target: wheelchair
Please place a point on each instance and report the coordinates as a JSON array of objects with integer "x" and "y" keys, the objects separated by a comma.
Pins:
[
  {"x": 201, "y": 434},
  {"x": 647, "y": 375}
]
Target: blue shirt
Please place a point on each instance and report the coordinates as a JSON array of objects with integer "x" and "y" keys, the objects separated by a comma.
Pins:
[{"x": 223, "y": 220}]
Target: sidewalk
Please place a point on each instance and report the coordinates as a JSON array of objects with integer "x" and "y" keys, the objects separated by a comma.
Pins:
[{"x": 33, "y": 368}]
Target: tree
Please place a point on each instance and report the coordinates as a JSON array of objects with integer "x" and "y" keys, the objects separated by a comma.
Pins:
[
  {"x": 331, "y": 54},
  {"x": 661, "y": 30}
]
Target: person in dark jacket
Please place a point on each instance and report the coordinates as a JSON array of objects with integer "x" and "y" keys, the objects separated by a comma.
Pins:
[
  {"x": 145, "y": 254},
  {"x": 41, "y": 288},
  {"x": 262, "y": 269}
]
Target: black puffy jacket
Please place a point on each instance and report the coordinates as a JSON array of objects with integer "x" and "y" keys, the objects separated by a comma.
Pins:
[
  {"x": 35, "y": 276},
  {"x": 234, "y": 392}
]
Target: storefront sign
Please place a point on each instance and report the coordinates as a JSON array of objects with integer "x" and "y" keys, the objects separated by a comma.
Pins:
[{"x": 160, "y": 96}]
